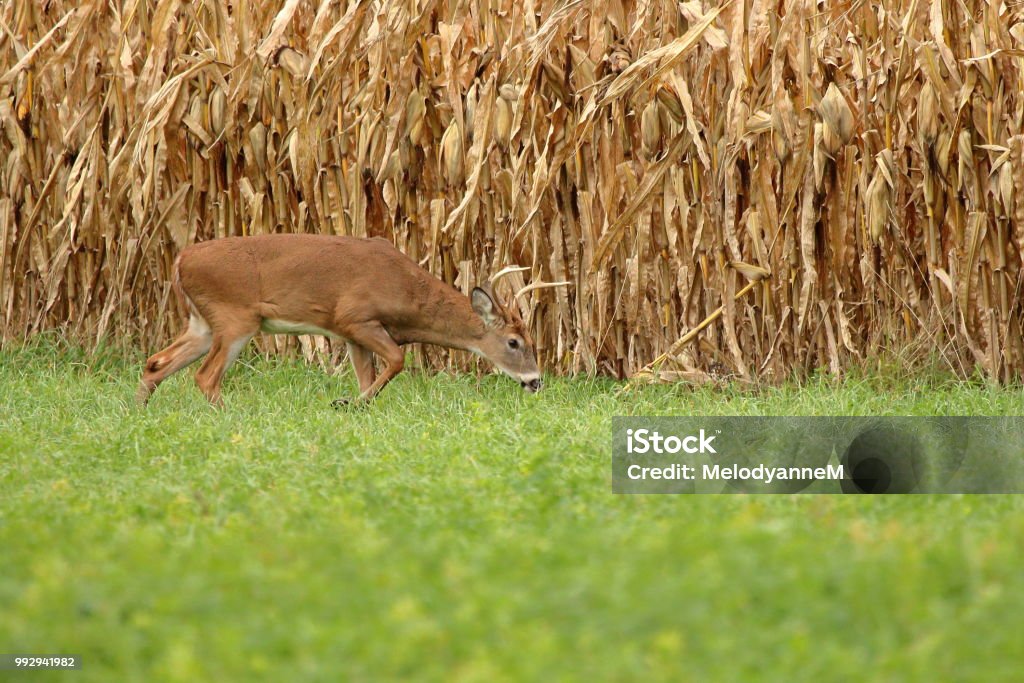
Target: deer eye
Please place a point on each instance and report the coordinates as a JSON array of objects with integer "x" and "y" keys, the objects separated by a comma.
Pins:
[{"x": 513, "y": 344}]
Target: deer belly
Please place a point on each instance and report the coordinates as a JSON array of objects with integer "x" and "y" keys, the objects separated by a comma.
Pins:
[{"x": 275, "y": 326}]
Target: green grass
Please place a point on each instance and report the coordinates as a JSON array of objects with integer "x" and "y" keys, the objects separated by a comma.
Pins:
[{"x": 461, "y": 530}]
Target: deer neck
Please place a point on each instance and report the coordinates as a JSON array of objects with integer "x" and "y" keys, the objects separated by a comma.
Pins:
[{"x": 449, "y": 320}]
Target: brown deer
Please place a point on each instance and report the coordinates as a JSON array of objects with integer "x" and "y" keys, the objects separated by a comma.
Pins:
[{"x": 364, "y": 291}]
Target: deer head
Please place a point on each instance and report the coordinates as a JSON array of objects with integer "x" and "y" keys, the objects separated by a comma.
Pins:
[{"x": 506, "y": 341}]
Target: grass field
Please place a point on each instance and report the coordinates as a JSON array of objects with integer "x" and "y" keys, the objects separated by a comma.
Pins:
[{"x": 460, "y": 530}]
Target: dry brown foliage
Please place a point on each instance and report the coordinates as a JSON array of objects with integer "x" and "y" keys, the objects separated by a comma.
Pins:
[{"x": 823, "y": 180}]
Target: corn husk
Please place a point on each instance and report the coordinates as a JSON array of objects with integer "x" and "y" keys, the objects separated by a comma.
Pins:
[{"x": 749, "y": 190}]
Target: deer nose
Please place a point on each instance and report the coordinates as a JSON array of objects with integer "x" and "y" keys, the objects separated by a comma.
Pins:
[{"x": 532, "y": 386}]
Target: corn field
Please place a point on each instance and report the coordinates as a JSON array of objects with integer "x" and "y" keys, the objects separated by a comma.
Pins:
[{"x": 755, "y": 189}]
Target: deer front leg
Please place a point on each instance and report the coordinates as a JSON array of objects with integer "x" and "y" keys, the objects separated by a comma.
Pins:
[
  {"x": 373, "y": 338},
  {"x": 362, "y": 363}
]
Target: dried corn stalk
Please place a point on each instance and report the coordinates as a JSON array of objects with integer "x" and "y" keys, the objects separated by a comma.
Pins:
[{"x": 660, "y": 158}]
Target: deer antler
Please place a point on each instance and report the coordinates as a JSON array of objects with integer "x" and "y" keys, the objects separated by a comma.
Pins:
[
  {"x": 528, "y": 288},
  {"x": 538, "y": 285},
  {"x": 506, "y": 271}
]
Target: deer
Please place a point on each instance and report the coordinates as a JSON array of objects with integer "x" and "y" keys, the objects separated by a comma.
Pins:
[{"x": 360, "y": 290}]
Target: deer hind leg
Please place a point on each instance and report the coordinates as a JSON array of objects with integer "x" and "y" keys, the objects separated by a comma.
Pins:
[
  {"x": 226, "y": 348},
  {"x": 186, "y": 349},
  {"x": 362, "y": 363},
  {"x": 373, "y": 338}
]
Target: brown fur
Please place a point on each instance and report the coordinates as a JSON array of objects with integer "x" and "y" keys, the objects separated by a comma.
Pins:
[{"x": 362, "y": 290}]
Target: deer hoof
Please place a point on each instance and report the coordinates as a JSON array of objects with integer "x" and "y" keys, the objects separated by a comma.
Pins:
[
  {"x": 349, "y": 403},
  {"x": 142, "y": 395}
]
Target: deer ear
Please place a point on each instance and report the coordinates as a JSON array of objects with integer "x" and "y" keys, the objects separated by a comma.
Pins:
[{"x": 485, "y": 307}]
